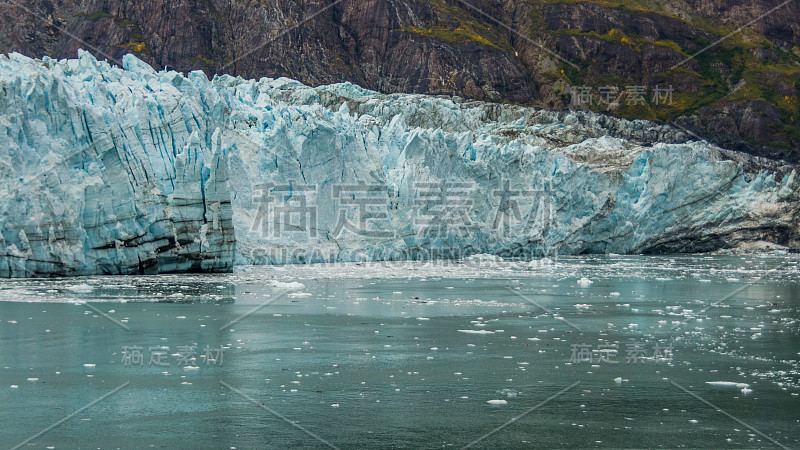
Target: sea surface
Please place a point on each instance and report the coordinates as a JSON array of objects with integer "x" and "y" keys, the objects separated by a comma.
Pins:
[{"x": 599, "y": 351}]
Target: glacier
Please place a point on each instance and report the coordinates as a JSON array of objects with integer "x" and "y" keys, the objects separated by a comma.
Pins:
[{"x": 126, "y": 170}]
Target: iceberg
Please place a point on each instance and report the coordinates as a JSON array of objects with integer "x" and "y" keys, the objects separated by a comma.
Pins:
[{"x": 125, "y": 170}]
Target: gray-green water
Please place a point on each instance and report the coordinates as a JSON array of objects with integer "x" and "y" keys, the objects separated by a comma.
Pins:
[{"x": 410, "y": 355}]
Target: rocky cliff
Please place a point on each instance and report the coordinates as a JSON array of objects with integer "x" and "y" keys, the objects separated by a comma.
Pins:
[{"x": 740, "y": 93}]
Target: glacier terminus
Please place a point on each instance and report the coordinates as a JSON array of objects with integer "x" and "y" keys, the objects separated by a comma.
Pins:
[{"x": 126, "y": 170}]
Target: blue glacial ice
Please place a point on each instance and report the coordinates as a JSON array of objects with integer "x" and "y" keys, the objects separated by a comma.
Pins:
[
  {"x": 128, "y": 170},
  {"x": 106, "y": 171}
]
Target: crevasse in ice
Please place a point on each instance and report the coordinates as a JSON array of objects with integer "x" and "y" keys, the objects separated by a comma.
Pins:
[
  {"x": 129, "y": 170},
  {"x": 107, "y": 170}
]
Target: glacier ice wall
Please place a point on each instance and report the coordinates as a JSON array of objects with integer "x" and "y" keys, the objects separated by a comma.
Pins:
[
  {"x": 128, "y": 170},
  {"x": 106, "y": 171},
  {"x": 526, "y": 182}
]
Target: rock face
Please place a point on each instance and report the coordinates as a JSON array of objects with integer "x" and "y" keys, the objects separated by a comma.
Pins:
[
  {"x": 531, "y": 52},
  {"x": 109, "y": 170},
  {"x": 106, "y": 171}
]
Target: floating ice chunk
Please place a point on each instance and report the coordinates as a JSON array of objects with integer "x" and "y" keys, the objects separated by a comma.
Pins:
[
  {"x": 614, "y": 294},
  {"x": 79, "y": 288},
  {"x": 618, "y": 380},
  {"x": 730, "y": 384},
  {"x": 88, "y": 365},
  {"x": 497, "y": 402},
  {"x": 288, "y": 285},
  {"x": 510, "y": 393},
  {"x": 585, "y": 282},
  {"x": 300, "y": 294},
  {"x": 476, "y": 331}
]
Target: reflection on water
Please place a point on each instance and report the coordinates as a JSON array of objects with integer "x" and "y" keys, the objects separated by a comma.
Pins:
[{"x": 410, "y": 355}]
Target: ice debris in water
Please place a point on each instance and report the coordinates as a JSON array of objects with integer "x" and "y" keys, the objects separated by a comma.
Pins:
[
  {"x": 484, "y": 257},
  {"x": 79, "y": 288},
  {"x": 288, "y": 285},
  {"x": 728, "y": 384},
  {"x": 585, "y": 282},
  {"x": 744, "y": 387}
]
